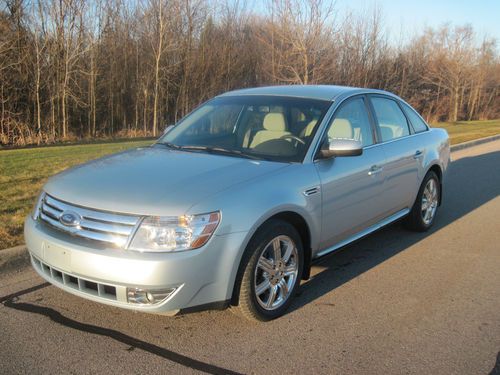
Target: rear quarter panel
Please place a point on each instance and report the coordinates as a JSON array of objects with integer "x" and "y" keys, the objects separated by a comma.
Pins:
[{"x": 437, "y": 152}]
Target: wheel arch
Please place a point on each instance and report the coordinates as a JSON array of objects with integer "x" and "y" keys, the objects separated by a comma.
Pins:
[
  {"x": 300, "y": 224},
  {"x": 302, "y": 227}
]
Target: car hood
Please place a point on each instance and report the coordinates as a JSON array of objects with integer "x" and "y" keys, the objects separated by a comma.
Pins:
[{"x": 153, "y": 180}]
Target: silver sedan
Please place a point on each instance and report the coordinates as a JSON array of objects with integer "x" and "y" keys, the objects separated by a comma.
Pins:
[{"x": 232, "y": 205}]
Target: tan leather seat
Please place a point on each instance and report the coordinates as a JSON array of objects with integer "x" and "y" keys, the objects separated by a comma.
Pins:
[
  {"x": 386, "y": 133},
  {"x": 274, "y": 128},
  {"x": 341, "y": 128},
  {"x": 308, "y": 129}
]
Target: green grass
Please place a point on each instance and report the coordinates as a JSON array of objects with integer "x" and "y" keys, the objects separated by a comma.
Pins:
[
  {"x": 24, "y": 171},
  {"x": 463, "y": 131}
]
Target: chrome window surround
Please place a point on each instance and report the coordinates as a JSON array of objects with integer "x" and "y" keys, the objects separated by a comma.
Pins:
[{"x": 102, "y": 226}]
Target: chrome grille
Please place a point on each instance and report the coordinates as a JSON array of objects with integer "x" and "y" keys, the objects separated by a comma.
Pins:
[{"x": 94, "y": 225}]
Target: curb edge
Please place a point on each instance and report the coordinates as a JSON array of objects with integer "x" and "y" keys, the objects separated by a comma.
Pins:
[{"x": 475, "y": 142}]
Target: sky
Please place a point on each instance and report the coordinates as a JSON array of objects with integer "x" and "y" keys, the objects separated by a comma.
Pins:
[{"x": 407, "y": 17}]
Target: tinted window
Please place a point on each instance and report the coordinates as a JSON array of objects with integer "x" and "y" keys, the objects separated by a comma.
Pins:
[
  {"x": 391, "y": 119},
  {"x": 351, "y": 121},
  {"x": 418, "y": 124}
]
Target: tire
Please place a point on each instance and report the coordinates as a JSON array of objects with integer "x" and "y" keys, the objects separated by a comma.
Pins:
[
  {"x": 421, "y": 216},
  {"x": 261, "y": 278}
]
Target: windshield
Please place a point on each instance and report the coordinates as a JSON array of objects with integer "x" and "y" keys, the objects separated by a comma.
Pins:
[{"x": 261, "y": 127}]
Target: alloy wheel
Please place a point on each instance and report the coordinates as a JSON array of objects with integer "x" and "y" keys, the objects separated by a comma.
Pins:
[
  {"x": 430, "y": 201},
  {"x": 276, "y": 272}
]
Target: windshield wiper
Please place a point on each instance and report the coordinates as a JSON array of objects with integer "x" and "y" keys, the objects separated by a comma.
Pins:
[
  {"x": 213, "y": 150},
  {"x": 219, "y": 150},
  {"x": 169, "y": 145}
]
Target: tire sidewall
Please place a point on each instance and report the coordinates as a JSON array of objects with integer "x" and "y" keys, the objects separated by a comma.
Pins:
[
  {"x": 418, "y": 204},
  {"x": 255, "y": 248}
]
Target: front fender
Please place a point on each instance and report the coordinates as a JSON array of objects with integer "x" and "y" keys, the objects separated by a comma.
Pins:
[{"x": 246, "y": 206}]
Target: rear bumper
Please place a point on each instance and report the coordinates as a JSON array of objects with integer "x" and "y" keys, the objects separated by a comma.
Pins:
[{"x": 198, "y": 277}]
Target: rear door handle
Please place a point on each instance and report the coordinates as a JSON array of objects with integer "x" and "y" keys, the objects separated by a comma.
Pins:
[
  {"x": 418, "y": 154},
  {"x": 374, "y": 169}
]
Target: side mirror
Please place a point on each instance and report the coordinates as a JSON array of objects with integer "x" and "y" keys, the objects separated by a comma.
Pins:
[
  {"x": 341, "y": 147},
  {"x": 167, "y": 129}
]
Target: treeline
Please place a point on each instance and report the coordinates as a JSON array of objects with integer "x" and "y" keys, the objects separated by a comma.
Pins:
[{"x": 94, "y": 68}]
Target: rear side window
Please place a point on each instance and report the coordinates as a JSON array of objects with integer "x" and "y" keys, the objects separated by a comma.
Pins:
[
  {"x": 418, "y": 124},
  {"x": 391, "y": 119}
]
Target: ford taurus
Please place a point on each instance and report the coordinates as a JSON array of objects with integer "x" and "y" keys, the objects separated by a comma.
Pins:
[{"x": 232, "y": 204}]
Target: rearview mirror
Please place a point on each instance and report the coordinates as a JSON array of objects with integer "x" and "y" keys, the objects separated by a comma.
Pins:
[{"x": 341, "y": 147}]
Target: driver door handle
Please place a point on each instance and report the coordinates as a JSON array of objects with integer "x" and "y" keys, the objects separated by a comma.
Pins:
[
  {"x": 418, "y": 154},
  {"x": 374, "y": 169}
]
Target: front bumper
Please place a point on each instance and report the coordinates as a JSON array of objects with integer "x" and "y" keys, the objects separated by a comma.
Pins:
[{"x": 199, "y": 277}]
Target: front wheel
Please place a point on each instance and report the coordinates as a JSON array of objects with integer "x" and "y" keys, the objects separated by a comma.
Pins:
[
  {"x": 271, "y": 271},
  {"x": 423, "y": 212}
]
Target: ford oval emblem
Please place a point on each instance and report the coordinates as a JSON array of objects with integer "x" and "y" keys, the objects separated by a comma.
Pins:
[{"x": 70, "y": 219}]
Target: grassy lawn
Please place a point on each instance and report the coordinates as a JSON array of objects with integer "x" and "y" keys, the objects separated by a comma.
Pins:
[
  {"x": 463, "y": 131},
  {"x": 23, "y": 171}
]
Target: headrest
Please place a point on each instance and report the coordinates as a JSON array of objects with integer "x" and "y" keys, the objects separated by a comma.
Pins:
[
  {"x": 386, "y": 133},
  {"x": 309, "y": 128},
  {"x": 341, "y": 128},
  {"x": 274, "y": 122}
]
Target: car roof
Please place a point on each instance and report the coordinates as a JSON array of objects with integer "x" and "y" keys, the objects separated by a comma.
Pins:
[{"x": 322, "y": 92}]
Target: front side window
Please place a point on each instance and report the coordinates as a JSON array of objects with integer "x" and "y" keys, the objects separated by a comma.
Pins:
[
  {"x": 391, "y": 120},
  {"x": 418, "y": 124},
  {"x": 351, "y": 122},
  {"x": 262, "y": 127}
]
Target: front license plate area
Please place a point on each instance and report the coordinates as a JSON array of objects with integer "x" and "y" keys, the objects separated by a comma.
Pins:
[{"x": 57, "y": 256}]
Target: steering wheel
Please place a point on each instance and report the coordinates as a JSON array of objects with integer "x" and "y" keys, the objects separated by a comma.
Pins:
[{"x": 294, "y": 137}]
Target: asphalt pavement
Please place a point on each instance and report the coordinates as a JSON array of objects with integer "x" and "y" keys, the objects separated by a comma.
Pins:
[{"x": 395, "y": 302}]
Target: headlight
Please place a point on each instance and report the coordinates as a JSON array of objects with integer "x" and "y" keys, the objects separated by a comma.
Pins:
[
  {"x": 38, "y": 206},
  {"x": 167, "y": 233}
]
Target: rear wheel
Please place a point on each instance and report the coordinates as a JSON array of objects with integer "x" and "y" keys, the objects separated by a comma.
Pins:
[
  {"x": 423, "y": 212},
  {"x": 271, "y": 273}
]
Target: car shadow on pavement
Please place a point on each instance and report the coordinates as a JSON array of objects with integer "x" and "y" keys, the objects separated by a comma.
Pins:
[
  {"x": 12, "y": 301},
  {"x": 469, "y": 184},
  {"x": 496, "y": 370}
]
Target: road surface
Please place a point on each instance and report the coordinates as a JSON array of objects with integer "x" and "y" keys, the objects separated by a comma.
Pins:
[{"x": 395, "y": 302}]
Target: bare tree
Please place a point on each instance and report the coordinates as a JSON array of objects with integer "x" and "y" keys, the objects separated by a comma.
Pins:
[{"x": 297, "y": 37}]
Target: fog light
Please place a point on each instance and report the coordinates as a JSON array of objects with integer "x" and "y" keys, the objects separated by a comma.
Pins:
[{"x": 148, "y": 297}]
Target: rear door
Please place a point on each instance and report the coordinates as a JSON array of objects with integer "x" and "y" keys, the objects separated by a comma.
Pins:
[
  {"x": 351, "y": 186},
  {"x": 403, "y": 153}
]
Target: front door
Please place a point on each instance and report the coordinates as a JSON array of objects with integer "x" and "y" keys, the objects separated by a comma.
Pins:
[{"x": 351, "y": 186}]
